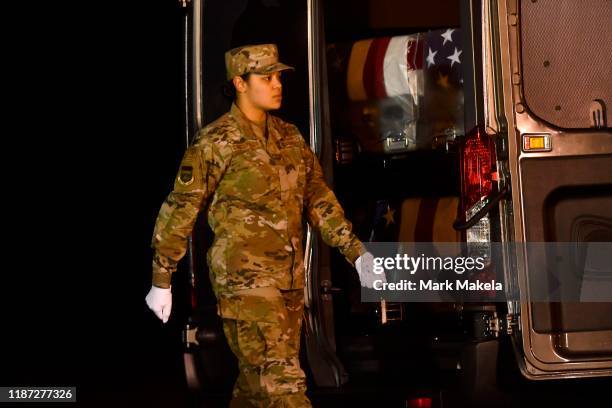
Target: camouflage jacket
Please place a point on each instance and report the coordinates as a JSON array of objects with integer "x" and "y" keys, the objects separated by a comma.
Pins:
[{"x": 257, "y": 190}]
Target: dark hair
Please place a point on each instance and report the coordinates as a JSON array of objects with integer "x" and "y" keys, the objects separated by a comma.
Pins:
[{"x": 228, "y": 89}]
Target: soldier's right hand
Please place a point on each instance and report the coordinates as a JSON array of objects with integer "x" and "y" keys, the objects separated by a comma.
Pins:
[
  {"x": 365, "y": 269},
  {"x": 159, "y": 301}
]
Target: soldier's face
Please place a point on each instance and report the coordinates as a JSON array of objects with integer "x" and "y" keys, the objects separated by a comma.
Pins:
[{"x": 264, "y": 91}]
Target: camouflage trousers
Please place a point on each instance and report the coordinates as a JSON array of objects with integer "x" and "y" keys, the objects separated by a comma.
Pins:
[{"x": 262, "y": 327}]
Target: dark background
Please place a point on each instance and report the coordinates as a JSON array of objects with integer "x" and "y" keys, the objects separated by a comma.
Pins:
[{"x": 94, "y": 144}]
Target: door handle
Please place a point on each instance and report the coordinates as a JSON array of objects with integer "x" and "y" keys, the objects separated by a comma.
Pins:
[{"x": 328, "y": 289}]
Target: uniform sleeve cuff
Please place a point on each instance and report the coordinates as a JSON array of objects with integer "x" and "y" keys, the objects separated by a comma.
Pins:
[
  {"x": 162, "y": 279},
  {"x": 355, "y": 252}
]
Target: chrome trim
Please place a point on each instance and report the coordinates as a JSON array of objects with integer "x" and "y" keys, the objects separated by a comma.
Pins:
[
  {"x": 188, "y": 30},
  {"x": 315, "y": 131},
  {"x": 473, "y": 74},
  {"x": 313, "y": 79},
  {"x": 191, "y": 371},
  {"x": 506, "y": 9},
  {"x": 489, "y": 85},
  {"x": 496, "y": 124},
  {"x": 198, "y": 23},
  {"x": 307, "y": 267},
  {"x": 186, "y": 73}
]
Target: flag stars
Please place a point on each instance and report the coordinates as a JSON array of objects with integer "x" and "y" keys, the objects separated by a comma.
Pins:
[
  {"x": 389, "y": 216},
  {"x": 448, "y": 36},
  {"x": 455, "y": 57},
  {"x": 443, "y": 81},
  {"x": 431, "y": 58}
]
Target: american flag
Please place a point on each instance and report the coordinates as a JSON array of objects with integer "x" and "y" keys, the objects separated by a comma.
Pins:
[
  {"x": 386, "y": 221},
  {"x": 386, "y": 67},
  {"x": 443, "y": 56},
  {"x": 441, "y": 113},
  {"x": 389, "y": 66}
]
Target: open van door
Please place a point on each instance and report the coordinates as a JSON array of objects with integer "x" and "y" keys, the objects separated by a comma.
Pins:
[{"x": 540, "y": 85}]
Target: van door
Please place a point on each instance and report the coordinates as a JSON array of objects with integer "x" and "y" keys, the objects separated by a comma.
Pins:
[{"x": 542, "y": 89}]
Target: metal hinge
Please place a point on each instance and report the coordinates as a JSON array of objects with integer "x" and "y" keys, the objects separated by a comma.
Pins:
[
  {"x": 390, "y": 311},
  {"x": 190, "y": 336},
  {"x": 496, "y": 326}
]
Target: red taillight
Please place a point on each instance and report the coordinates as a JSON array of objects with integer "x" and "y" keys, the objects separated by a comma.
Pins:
[
  {"x": 477, "y": 167},
  {"x": 422, "y": 402}
]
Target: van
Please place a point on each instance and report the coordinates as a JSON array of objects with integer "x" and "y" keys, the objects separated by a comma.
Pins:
[{"x": 509, "y": 141}]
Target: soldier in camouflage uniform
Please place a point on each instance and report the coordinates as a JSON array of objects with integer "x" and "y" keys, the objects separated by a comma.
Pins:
[{"x": 256, "y": 174}]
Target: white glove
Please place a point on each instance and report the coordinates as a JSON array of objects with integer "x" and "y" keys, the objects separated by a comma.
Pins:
[
  {"x": 365, "y": 268},
  {"x": 159, "y": 301}
]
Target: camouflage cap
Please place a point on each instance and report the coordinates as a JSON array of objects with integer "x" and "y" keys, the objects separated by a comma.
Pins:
[{"x": 260, "y": 59}]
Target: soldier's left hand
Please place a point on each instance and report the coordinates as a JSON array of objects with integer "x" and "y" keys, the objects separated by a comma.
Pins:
[
  {"x": 365, "y": 268},
  {"x": 159, "y": 301}
]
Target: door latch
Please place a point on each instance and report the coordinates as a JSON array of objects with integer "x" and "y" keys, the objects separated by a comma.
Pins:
[{"x": 598, "y": 114}]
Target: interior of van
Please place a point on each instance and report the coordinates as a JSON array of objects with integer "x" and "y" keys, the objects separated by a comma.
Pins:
[{"x": 385, "y": 110}]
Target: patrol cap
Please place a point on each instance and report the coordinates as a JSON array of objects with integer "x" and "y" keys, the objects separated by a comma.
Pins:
[{"x": 258, "y": 58}]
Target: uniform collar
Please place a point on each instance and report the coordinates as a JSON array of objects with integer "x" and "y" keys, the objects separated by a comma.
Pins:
[{"x": 245, "y": 123}]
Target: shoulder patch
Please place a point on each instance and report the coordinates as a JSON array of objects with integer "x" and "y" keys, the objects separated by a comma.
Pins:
[
  {"x": 189, "y": 177},
  {"x": 185, "y": 176}
]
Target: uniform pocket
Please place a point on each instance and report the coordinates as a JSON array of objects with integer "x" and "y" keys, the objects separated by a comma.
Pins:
[
  {"x": 293, "y": 172},
  {"x": 252, "y": 308},
  {"x": 257, "y": 326},
  {"x": 251, "y": 177}
]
